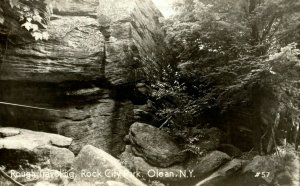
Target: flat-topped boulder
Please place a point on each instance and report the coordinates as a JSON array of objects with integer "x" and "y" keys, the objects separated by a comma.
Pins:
[
  {"x": 29, "y": 140},
  {"x": 35, "y": 148}
]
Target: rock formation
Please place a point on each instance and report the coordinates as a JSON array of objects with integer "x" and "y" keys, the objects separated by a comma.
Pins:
[
  {"x": 89, "y": 40},
  {"x": 79, "y": 101},
  {"x": 93, "y": 160},
  {"x": 19, "y": 146},
  {"x": 156, "y": 146},
  {"x": 85, "y": 73}
]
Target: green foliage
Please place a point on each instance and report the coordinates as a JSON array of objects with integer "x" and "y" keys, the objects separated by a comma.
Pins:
[
  {"x": 229, "y": 54},
  {"x": 224, "y": 45},
  {"x": 285, "y": 78},
  {"x": 232, "y": 29}
]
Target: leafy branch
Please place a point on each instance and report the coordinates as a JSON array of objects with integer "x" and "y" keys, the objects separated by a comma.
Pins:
[{"x": 33, "y": 15}]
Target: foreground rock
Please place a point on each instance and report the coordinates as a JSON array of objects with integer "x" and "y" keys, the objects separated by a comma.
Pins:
[
  {"x": 261, "y": 170},
  {"x": 195, "y": 169},
  {"x": 209, "y": 163},
  {"x": 225, "y": 171},
  {"x": 154, "y": 145},
  {"x": 150, "y": 172},
  {"x": 35, "y": 148},
  {"x": 41, "y": 176},
  {"x": 91, "y": 159}
]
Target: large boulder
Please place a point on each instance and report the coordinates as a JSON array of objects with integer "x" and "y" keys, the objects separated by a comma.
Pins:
[
  {"x": 34, "y": 148},
  {"x": 154, "y": 145},
  {"x": 105, "y": 168}
]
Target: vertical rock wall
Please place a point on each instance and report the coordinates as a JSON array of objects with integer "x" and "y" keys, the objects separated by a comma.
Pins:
[
  {"x": 89, "y": 40},
  {"x": 95, "y": 48}
]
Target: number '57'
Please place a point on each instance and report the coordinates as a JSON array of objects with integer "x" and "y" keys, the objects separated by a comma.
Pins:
[{"x": 262, "y": 174}]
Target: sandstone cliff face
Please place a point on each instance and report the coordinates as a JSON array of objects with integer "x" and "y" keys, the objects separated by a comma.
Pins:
[
  {"x": 83, "y": 71},
  {"x": 89, "y": 40}
]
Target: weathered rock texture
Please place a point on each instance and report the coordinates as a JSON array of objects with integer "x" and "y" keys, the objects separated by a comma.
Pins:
[
  {"x": 87, "y": 115},
  {"x": 34, "y": 148},
  {"x": 186, "y": 173},
  {"x": 83, "y": 73},
  {"x": 91, "y": 159},
  {"x": 155, "y": 146},
  {"x": 209, "y": 163},
  {"x": 89, "y": 40},
  {"x": 227, "y": 170},
  {"x": 145, "y": 170},
  {"x": 105, "y": 126}
]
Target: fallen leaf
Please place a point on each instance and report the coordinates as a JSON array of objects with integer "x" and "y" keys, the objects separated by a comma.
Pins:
[{"x": 27, "y": 25}]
